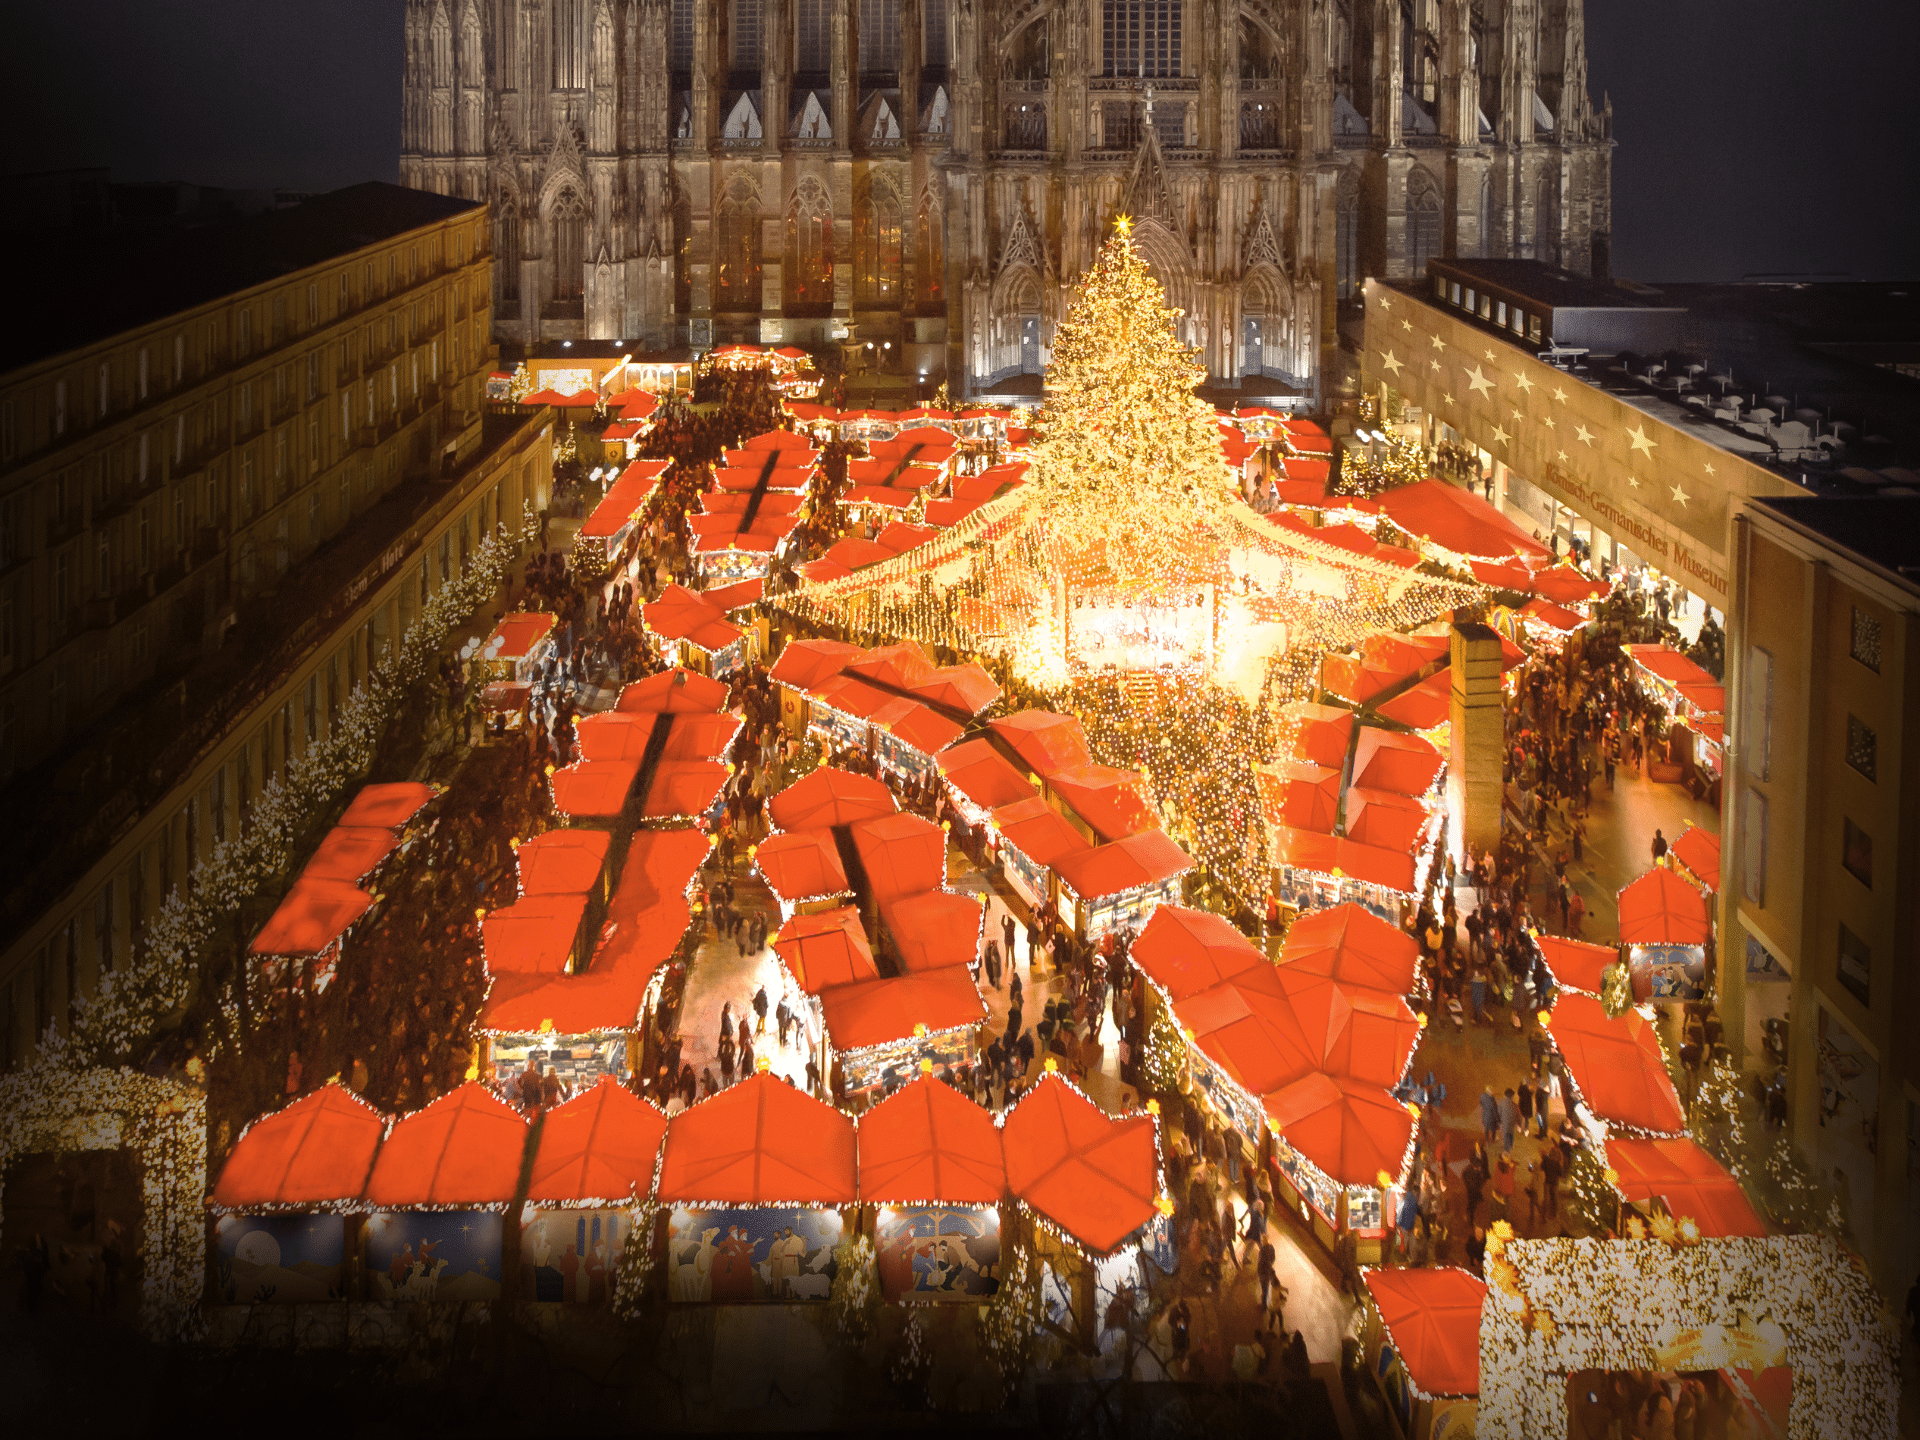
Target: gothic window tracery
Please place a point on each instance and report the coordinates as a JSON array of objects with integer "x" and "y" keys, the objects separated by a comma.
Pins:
[
  {"x": 929, "y": 243},
  {"x": 569, "y": 246},
  {"x": 933, "y": 34},
  {"x": 736, "y": 267},
  {"x": 876, "y": 245},
  {"x": 569, "y": 44},
  {"x": 812, "y": 37},
  {"x": 808, "y": 274},
  {"x": 879, "y": 37},
  {"x": 680, "y": 36},
  {"x": 1026, "y": 52},
  {"x": 1423, "y": 225},
  {"x": 1346, "y": 238},
  {"x": 744, "y": 36},
  {"x": 1140, "y": 37}
]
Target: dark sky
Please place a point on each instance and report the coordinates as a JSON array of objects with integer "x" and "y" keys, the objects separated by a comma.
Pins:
[{"x": 1754, "y": 135}]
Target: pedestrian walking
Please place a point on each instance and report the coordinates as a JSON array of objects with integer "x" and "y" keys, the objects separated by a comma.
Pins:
[
  {"x": 1509, "y": 1120},
  {"x": 1489, "y": 1113},
  {"x": 1659, "y": 847}
]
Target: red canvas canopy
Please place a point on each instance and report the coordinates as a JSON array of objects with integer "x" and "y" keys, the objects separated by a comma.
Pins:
[
  {"x": 1384, "y": 819},
  {"x": 463, "y": 1150},
  {"x": 1458, "y": 520},
  {"x": 1433, "y": 1319},
  {"x": 1660, "y": 908},
  {"x": 612, "y": 735},
  {"x": 1689, "y": 1181},
  {"x": 1352, "y": 944},
  {"x": 562, "y": 862},
  {"x": 683, "y": 614},
  {"x": 829, "y": 948},
  {"x": 1046, "y": 742},
  {"x": 965, "y": 688},
  {"x": 535, "y": 934},
  {"x": 1310, "y": 796},
  {"x": 917, "y": 725},
  {"x": 1039, "y": 832},
  {"x": 1618, "y": 1065},
  {"x": 1698, "y": 850},
  {"x": 1367, "y": 1034},
  {"x": 1404, "y": 654},
  {"x": 675, "y": 691},
  {"x": 580, "y": 399},
  {"x": 934, "y": 929},
  {"x": 881, "y": 1012},
  {"x": 1320, "y": 732},
  {"x": 1248, "y": 1027},
  {"x": 1331, "y": 855},
  {"x": 701, "y": 737},
  {"x": 801, "y": 864},
  {"x": 1106, "y": 799},
  {"x": 902, "y": 854},
  {"x": 928, "y": 1143},
  {"x": 1575, "y": 964},
  {"x": 1389, "y": 760},
  {"x": 1184, "y": 951},
  {"x": 1424, "y": 706},
  {"x": 1093, "y": 1175},
  {"x": 899, "y": 667},
  {"x": 315, "y": 1152},
  {"x": 600, "y": 1148},
  {"x": 683, "y": 788},
  {"x": 350, "y": 853},
  {"x": 982, "y": 775},
  {"x": 1670, "y": 665},
  {"x": 1351, "y": 1130},
  {"x": 1349, "y": 677},
  {"x": 1143, "y": 859},
  {"x": 805, "y": 663},
  {"x": 828, "y": 796},
  {"x": 314, "y": 914},
  {"x": 516, "y": 635},
  {"x": 593, "y": 789},
  {"x": 1565, "y": 585},
  {"x": 624, "y": 499},
  {"x": 391, "y": 805},
  {"x": 1554, "y": 617},
  {"x": 760, "y": 1142}
]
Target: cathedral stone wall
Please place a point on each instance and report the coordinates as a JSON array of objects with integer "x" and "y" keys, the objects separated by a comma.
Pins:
[{"x": 933, "y": 175}]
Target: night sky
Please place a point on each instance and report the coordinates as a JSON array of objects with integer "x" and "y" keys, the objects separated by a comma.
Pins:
[{"x": 1754, "y": 135}]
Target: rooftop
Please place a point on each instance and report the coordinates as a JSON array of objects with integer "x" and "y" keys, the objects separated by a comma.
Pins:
[
  {"x": 93, "y": 282},
  {"x": 1883, "y": 530},
  {"x": 1551, "y": 286}
]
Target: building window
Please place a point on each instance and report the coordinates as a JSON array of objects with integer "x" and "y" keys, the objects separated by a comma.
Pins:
[
  {"x": 1855, "y": 967},
  {"x": 744, "y": 35},
  {"x": 879, "y": 37},
  {"x": 876, "y": 248},
  {"x": 1753, "y": 846},
  {"x": 737, "y": 273},
  {"x": 245, "y": 342},
  {"x": 680, "y": 36},
  {"x": 1862, "y": 747},
  {"x": 103, "y": 926},
  {"x": 105, "y": 388},
  {"x": 59, "y": 407},
  {"x": 1856, "y": 853},
  {"x": 1346, "y": 246},
  {"x": 1866, "y": 640},
  {"x": 809, "y": 267},
  {"x": 1423, "y": 232},
  {"x": 933, "y": 33},
  {"x": 569, "y": 246},
  {"x": 1141, "y": 37}
]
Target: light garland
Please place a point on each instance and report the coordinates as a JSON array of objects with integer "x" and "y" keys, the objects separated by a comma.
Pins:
[
  {"x": 1014, "y": 1313},
  {"x": 634, "y": 1272},
  {"x": 853, "y": 1306}
]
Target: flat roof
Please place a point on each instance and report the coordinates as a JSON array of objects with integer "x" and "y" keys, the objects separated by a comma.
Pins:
[
  {"x": 1547, "y": 284},
  {"x": 1883, "y": 530},
  {"x": 89, "y": 284}
]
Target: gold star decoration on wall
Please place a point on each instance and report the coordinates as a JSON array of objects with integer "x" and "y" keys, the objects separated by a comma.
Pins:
[
  {"x": 1478, "y": 381},
  {"x": 1637, "y": 436}
]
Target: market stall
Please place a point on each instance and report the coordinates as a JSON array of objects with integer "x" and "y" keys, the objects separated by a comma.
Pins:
[
  {"x": 829, "y": 797},
  {"x": 933, "y": 1176},
  {"x": 1689, "y": 1186},
  {"x": 1666, "y": 927},
  {"x": 1092, "y": 1176},
  {"x": 1114, "y": 888},
  {"x": 1183, "y": 951},
  {"x": 1352, "y": 944},
  {"x": 1575, "y": 964},
  {"x": 1696, "y": 855},
  {"x": 302, "y": 940},
  {"x": 933, "y": 929},
  {"x": 595, "y": 1158},
  {"x": 883, "y": 1029},
  {"x": 605, "y": 536},
  {"x": 1422, "y": 1346},
  {"x": 1342, "y": 1151},
  {"x": 1618, "y": 1072},
  {"x": 694, "y": 628},
  {"x": 1694, "y": 704},
  {"x": 803, "y": 869},
  {"x": 980, "y": 781},
  {"x": 1032, "y": 840}
]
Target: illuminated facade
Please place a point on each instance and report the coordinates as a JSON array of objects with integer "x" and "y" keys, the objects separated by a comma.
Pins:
[{"x": 934, "y": 175}]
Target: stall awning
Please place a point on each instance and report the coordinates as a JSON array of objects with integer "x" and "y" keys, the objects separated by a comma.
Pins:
[
  {"x": 390, "y": 805},
  {"x": 1095, "y": 1176},
  {"x": 562, "y": 862},
  {"x": 600, "y": 1148},
  {"x": 1367, "y": 1034},
  {"x": 1249, "y": 1028},
  {"x": 313, "y": 1154},
  {"x": 612, "y": 735},
  {"x": 1039, "y": 832},
  {"x": 1351, "y": 944},
  {"x": 676, "y": 691},
  {"x": 982, "y": 775},
  {"x": 801, "y": 864},
  {"x": 1144, "y": 859},
  {"x": 1424, "y": 706},
  {"x": 1107, "y": 799},
  {"x": 1565, "y": 585},
  {"x": 624, "y": 499},
  {"x": 1184, "y": 951},
  {"x": 462, "y": 1150},
  {"x": 1554, "y": 617},
  {"x": 516, "y": 635},
  {"x": 1330, "y": 855},
  {"x": 1433, "y": 1319},
  {"x": 683, "y": 788},
  {"x": 934, "y": 929},
  {"x": 966, "y": 689},
  {"x": 350, "y": 853},
  {"x": 829, "y": 948},
  {"x": 884, "y": 1012},
  {"x": 1575, "y": 964},
  {"x": 1045, "y": 742},
  {"x": 902, "y": 854},
  {"x": 1458, "y": 520},
  {"x": 827, "y": 797},
  {"x": 760, "y": 1142},
  {"x": 683, "y": 614},
  {"x": 1689, "y": 1181},
  {"x": 898, "y": 667},
  {"x": 701, "y": 737},
  {"x": 1320, "y": 732},
  {"x": 1353, "y": 1131},
  {"x": 1384, "y": 818},
  {"x": 1699, "y": 851},
  {"x": 917, "y": 726},
  {"x": 1309, "y": 795},
  {"x": 314, "y": 914},
  {"x": 1390, "y": 760},
  {"x": 1618, "y": 1066},
  {"x": 928, "y": 1143},
  {"x": 534, "y": 935},
  {"x": 1661, "y": 908},
  {"x": 805, "y": 663},
  {"x": 593, "y": 789}
]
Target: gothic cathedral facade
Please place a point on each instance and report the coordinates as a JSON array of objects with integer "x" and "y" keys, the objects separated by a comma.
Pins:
[{"x": 932, "y": 175}]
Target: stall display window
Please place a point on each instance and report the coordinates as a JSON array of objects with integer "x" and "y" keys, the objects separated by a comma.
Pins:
[
  {"x": 1028, "y": 878},
  {"x": 1366, "y": 1208}
]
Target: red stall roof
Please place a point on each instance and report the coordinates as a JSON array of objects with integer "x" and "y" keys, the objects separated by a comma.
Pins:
[
  {"x": 1556, "y": 617},
  {"x": 1249, "y": 1028},
  {"x": 1368, "y": 1034},
  {"x": 516, "y": 635},
  {"x": 1670, "y": 665},
  {"x": 612, "y": 735},
  {"x": 902, "y": 854},
  {"x": 1424, "y": 706},
  {"x": 1661, "y": 908},
  {"x": 828, "y": 948},
  {"x": 594, "y": 788},
  {"x": 1143, "y": 859},
  {"x": 881, "y": 1012},
  {"x": 1618, "y": 1065},
  {"x": 701, "y": 737},
  {"x": 928, "y": 1142},
  {"x": 1564, "y": 585},
  {"x": 391, "y": 805},
  {"x": 934, "y": 929},
  {"x": 1575, "y": 964},
  {"x": 1184, "y": 951},
  {"x": 600, "y": 1148},
  {"x": 828, "y": 796},
  {"x": 1433, "y": 1318},
  {"x": 1691, "y": 1183},
  {"x": 683, "y": 788},
  {"x": 314, "y": 914},
  {"x": 683, "y": 614},
  {"x": 1039, "y": 832},
  {"x": 982, "y": 774},
  {"x": 1046, "y": 742},
  {"x": 917, "y": 725},
  {"x": 675, "y": 691},
  {"x": 801, "y": 864},
  {"x": 1352, "y": 944},
  {"x": 1330, "y": 855},
  {"x": 463, "y": 1150},
  {"x": 1699, "y": 851},
  {"x": 1095, "y": 1176},
  {"x": 1390, "y": 760},
  {"x": 900, "y": 667},
  {"x": 805, "y": 663},
  {"x": 1352, "y": 1130},
  {"x": 1321, "y": 732},
  {"x": 315, "y": 1152},
  {"x": 1107, "y": 799},
  {"x": 965, "y": 688},
  {"x": 1384, "y": 818},
  {"x": 1310, "y": 796},
  {"x": 760, "y": 1142},
  {"x": 562, "y": 862},
  {"x": 1458, "y": 520},
  {"x": 350, "y": 853},
  {"x": 534, "y": 934},
  {"x": 624, "y": 498}
]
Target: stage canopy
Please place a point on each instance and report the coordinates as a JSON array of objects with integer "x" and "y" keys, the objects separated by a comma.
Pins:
[
  {"x": 1661, "y": 908},
  {"x": 1617, "y": 1065},
  {"x": 313, "y": 1154},
  {"x": 1433, "y": 1319},
  {"x": 760, "y": 1142},
  {"x": 928, "y": 1143},
  {"x": 1095, "y": 1176},
  {"x": 462, "y": 1151},
  {"x": 600, "y": 1148},
  {"x": 1185, "y": 951}
]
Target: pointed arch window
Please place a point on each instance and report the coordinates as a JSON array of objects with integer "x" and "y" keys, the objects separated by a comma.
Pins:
[
  {"x": 1346, "y": 244},
  {"x": 570, "y": 44},
  {"x": 507, "y": 250},
  {"x": 812, "y": 37},
  {"x": 736, "y": 270},
  {"x": 933, "y": 34},
  {"x": 808, "y": 274},
  {"x": 1423, "y": 230},
  {"x": 876, "y": 248},
  {"x": 879, "y": 37},
  {"x": 1141, "y": 37},
  {"x": 569, "y": 246},
  {"x": 930, "y": 251},
  {"x": 440, "y": 50}
]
